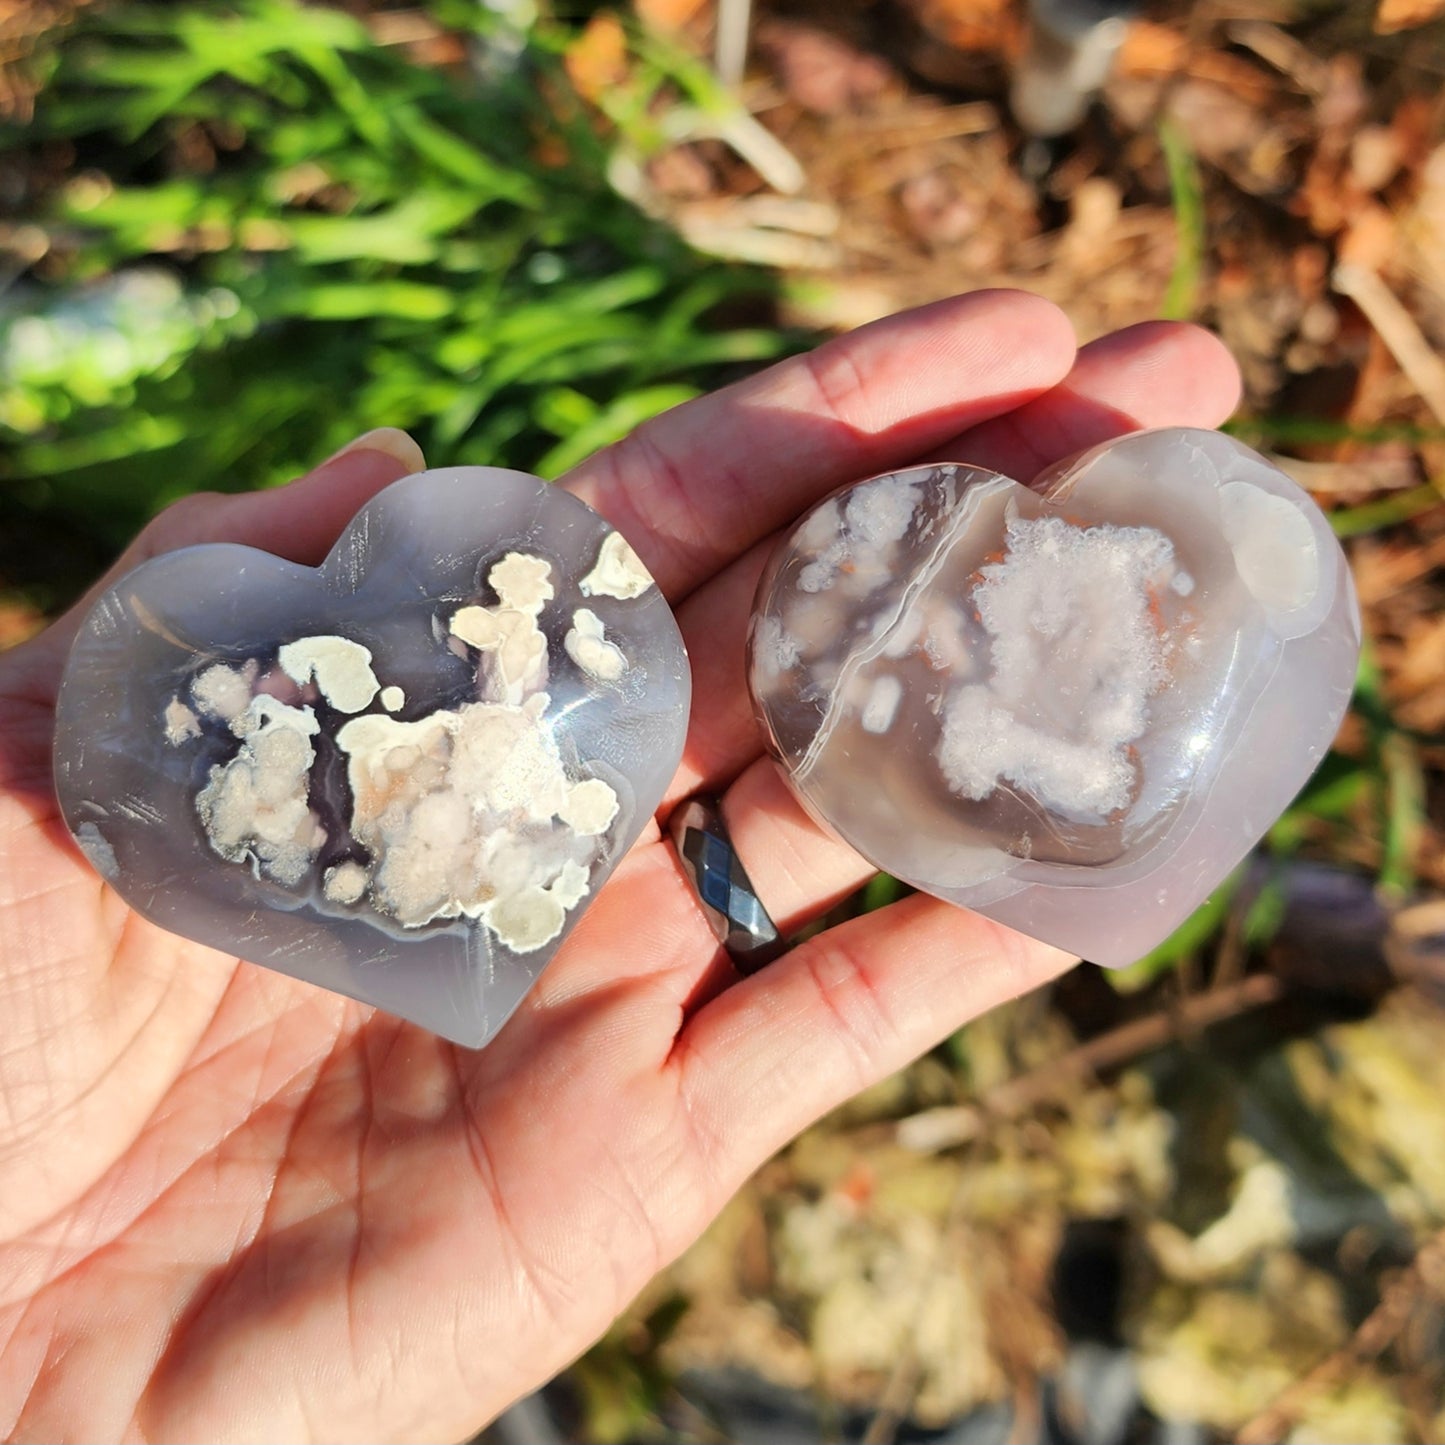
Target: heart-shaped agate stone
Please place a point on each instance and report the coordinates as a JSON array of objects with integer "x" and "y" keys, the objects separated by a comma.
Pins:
[
  {"x": 401, "y": 775},
  {"x": 1073, "y": 707}
]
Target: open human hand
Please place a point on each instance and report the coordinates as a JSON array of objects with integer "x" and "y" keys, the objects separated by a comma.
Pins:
[{"x": 233, "y": 1205}]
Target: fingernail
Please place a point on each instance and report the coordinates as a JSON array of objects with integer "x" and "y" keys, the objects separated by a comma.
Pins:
[{"x": 391, "y": 440}]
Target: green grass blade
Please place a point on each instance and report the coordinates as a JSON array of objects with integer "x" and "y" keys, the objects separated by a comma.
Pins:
[{"x": 1186, "y": 193}]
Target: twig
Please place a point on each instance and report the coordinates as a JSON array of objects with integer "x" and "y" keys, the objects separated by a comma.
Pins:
[
  {"x": 1379, "y": 474},
  {"x": 769, "y": 212},
  {"x": 730, "y": 41},
  {"x": 868, "y": 133},
  {"x": 402, "y": 27},
  {"x": 1376, "y": 1333},
  {"x": 755, "y": 245},
  {"x": 757, "y": 145},
  {"x": 1397, "y": 329},
  {"x": 898, "y": 1393},
  {"x": 936, "y": 1129},
  {"x": 1280, "y": 49}
]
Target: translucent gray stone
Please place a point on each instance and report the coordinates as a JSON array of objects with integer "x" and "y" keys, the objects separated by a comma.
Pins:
[
  {"x": 1073, "y": 707},
  {"x": 401, "y": 775}
]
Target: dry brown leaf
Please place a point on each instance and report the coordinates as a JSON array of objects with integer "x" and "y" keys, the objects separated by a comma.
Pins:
[
  {"x": 987, "y": 25},
  {"x": 19, "y": 621},
  {"x": 1372, "y": 240},
  {"x": 667, "y": 16},
  {"x": 1151, "y": 49},
  {"x": 1393, "y": 15},
  {"x": 597, "y": 59},
  {"x": 1418, "y": 684}
]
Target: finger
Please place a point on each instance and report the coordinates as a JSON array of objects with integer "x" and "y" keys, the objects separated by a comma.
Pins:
[
  {"x": 722, "y": 733},
  {"x": 647, "y": 926},
  {"x": 696, "y": 486},
  {"x": 797, "y": 869},
  {"x": 1158, "y": 373},
  {"x": 299, "y": 522},
  {"x": 767, "y": 1057},
  {"x": 1155, "y": 374}
]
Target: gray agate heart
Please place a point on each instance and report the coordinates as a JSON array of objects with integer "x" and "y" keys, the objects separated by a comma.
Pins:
[
  {"x": 1073, "y": 707},
  {"x": 401, "y": 775}
]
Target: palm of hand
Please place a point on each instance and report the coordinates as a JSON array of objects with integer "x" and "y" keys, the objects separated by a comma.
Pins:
[{"x": 231, "y": 1204}]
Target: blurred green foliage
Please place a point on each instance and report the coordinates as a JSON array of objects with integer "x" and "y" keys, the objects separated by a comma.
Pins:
[{"x": 267, "y": 232}]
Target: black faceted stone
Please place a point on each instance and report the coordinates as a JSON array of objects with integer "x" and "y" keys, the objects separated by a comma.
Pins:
[{"x": 714, "y": 869}]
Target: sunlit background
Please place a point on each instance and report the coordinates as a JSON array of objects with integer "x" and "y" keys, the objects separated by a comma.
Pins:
[{"x": 1201, "y": 1199}]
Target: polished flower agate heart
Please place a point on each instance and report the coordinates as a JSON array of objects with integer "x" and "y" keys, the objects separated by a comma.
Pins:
[
  {"x": 1074, "y": 706},
  {"x": 403, "y": 774}
]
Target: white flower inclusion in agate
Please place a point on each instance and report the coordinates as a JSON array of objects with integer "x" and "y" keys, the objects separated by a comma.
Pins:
[
  {"x": 1073, "y": 707},
  {"x": 401, "y": 775}
]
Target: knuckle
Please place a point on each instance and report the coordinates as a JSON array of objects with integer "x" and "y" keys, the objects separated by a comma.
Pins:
[
  {"x": 839, "y": 381},
  {"x": 847, "y": 993}
]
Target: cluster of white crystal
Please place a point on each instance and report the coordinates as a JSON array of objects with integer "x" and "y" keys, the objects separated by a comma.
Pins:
[
  {"x": 587, "y": 645},
  {"x": 341, "y": 668},
  {"x": 513, "y": 647},
  {"x": 466, "y": 811},
  {"x": 1077, "y": 648},
  {"x": 618, "y": 571},
  {"x": 875, "y": 515},
  {"x": 223, "y": 692},
  {"x": 255, "y": 805},
  {"x": 346, "y": 882},
  {"x": 471, "y": 812}
]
